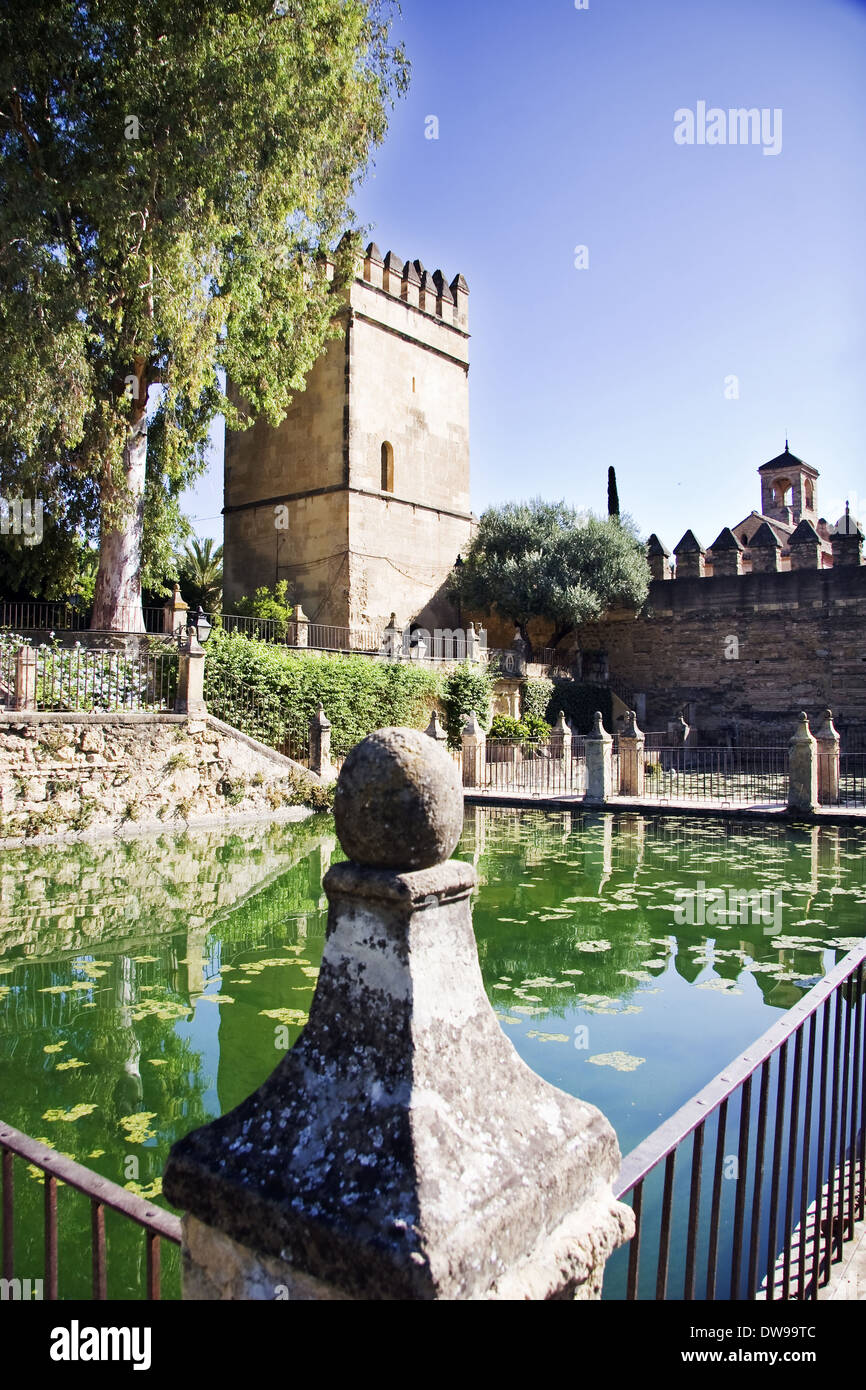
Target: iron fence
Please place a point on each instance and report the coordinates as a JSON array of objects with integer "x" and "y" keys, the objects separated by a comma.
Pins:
[
  {"x": 257, "y": 711},
  {"x": 852, "y": 779},
  {"x": 548, "y": 768},
  {"x": 757, "y": 776},
  {"x": 33, "y": 616},
  {"x": 784, "y": 1124},
  {"x": 157, "y": 1224},
  {"x": 82, "y": 680}
]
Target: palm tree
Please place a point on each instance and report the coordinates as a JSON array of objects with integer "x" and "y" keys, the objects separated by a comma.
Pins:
[{"x": 200, "y": 568}]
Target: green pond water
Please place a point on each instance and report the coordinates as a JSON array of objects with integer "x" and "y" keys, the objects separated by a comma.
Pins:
[{"x": 149, "y": 985}]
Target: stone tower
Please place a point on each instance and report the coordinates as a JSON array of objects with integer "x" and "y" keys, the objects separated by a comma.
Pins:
[
  {"x": 360, "y": 498},
  {"x": 788, "y": 489}
]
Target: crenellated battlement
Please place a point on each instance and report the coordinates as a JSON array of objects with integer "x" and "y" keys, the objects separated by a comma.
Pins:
[
  {"x": 409, "y": 281},
  {"x": 765, "y": 553}
]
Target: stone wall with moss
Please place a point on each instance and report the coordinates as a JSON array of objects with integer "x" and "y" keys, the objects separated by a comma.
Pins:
[{"x": 69, "y": 775}]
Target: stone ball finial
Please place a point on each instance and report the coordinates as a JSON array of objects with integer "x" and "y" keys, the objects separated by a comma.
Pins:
[{"x": 399, "y": 801}]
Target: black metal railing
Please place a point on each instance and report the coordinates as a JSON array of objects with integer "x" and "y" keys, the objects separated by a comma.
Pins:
[
  {"x": 36, "y": 616},
  {"x": 80, "y": 679},
  {"x": 782, "y": 1132},
  {"x": 852, "y": 779},
  {"x": 548, "y": 768},
  {"x": 156, "y": 1223},
  {"x": 757, "y": 776},
  {"x": 256, "y": 710}
]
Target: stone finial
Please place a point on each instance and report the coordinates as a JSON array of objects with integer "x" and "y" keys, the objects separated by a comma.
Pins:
[
  {"x": 401, "y": 1149},
  {"x": 320, "y": 718},
  {"x": 561, "y": 724},
  {"x": 630, "y": 728},
  {"x": 399, "y": 802},
  {"x": 598, "y": 729},
  {"x": 434, "y": 729},
  {"x": 472, "y": 727}
]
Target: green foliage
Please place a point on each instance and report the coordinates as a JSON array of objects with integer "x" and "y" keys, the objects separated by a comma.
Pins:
[
  {"x": 272, "y": 605},
  {"x": 535, "y": 696},
  {"x": 170, "y": 176},
  {"x": 544, "y": 560},
  {"x": 537, "y": 728},
  {"x": 468, "y": 687},
  {"x": 504, "y": 726},
  {"x": 272, "y": 692},
  {"x": 579, "y": 703},
  {"x": 200, "y": 572},
  {"x": 530, "y": 729}
]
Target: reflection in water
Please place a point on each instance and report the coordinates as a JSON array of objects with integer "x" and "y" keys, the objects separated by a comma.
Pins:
[{"x": 149, "y": 985}]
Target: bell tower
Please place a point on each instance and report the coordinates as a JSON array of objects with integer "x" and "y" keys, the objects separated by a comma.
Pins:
[{"x": 788, "y": 491}]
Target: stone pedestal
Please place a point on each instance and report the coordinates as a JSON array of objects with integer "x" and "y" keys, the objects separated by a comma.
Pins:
[
  {"x": 802, "y": 769},
  {"x": 401, "y": 1149},
  {"x": 175, "y": 612},
  {"x": 474, "y": 753},
  {"x": 320, "y": 744},
  {"x": 631, "y": 758},
  {"x": 25, "y": 678},
  {"x": 302, "y": 627},
  {"x": 598, "y": 764},
  {"x": 560, "y": 740},
  {"x": 827, "y": 739},
  {"x": 190, "y": 679}
]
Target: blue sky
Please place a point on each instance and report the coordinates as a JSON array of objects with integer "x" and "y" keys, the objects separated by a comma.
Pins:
[{"x": 705, "y": 262}]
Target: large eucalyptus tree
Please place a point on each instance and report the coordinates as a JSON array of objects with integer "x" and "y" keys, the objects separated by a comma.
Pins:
[{"x": 170, "y": 171}]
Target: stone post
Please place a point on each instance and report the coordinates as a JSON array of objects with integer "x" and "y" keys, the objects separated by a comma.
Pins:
[
  {"x": 802, "y": 769},
  {"x": 175, "y": 612},
  {"x": 631, "y": 760},
  {"x": 560, "y": 740},
  {"x": 25, "y": 678},
  {"x": 434, "y": 729},
  {"x": 401, "y": 1150},
  {"x": 320, "y": 744},
  {"x": 189, "y": 699},
  {"x": 473, "y": 646},
  {"x": 598, "y": 764},
  {"x": 474, "y": 753},
  {"x": 827, "y": 739},
  {"x": 392, "y": 640},
  {"x": 302, "y": 627}
]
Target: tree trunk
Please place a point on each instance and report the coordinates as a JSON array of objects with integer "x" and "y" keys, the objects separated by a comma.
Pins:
[{"x": 117, "y": 596}]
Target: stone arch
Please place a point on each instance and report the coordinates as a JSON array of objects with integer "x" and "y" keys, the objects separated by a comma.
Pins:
[
  {"x": 387, "y": 480},
  {"x": 782, "y": 492}
]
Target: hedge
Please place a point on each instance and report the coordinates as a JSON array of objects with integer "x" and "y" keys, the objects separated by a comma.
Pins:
[{"x": 276, "y": 691}]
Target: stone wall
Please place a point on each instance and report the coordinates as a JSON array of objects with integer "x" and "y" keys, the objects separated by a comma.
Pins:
[
  {"x": 104, "y": 773},
  {"x": 752, "y": 649}
]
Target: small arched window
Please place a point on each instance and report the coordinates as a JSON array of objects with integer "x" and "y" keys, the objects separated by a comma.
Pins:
[
  {"x": 387, "y": 483},
  {"x": 810, "y": 497}
]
